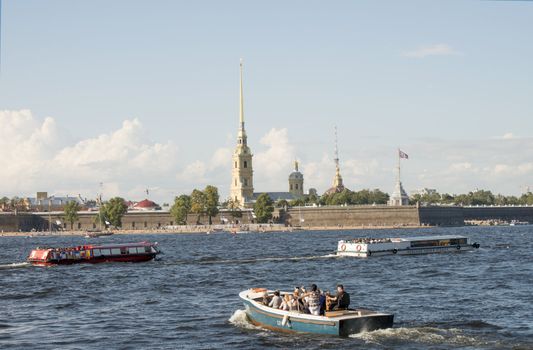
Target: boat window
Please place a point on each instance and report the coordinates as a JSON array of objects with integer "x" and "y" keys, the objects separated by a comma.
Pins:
[
  {"x": 457, "y": 241},
  {"x": 132, "y": 250},
  {"x": 105, "y": 251},
  {"x": 147, "y": 249},
  {"x": 429, "y": 243},
  {"x": 115, "y": 251},
  {"x": 96, "y": 252}
]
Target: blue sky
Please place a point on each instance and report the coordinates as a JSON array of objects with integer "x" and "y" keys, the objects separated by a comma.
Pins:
[{"x": 129, "y": 85}]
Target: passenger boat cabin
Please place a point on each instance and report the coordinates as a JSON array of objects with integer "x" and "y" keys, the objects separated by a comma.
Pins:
[{"x": 128, "y": 252}]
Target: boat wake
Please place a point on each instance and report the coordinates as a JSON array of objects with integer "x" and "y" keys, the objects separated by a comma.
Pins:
[
  {"x": 241, "y": 320},
  {"x": 253, "y": 260},
  {"x": 423, "y": 335},
  {"x": 14, "y": 265}
]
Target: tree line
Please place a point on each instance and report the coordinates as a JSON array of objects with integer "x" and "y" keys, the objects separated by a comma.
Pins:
[
  {"x": 206, "y": 202},
  {"x": 478, "y": 197}
]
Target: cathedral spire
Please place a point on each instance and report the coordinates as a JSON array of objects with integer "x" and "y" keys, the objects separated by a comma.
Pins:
[
  {"x": 241, "y": 100},
  {"x": 242, "y": 185},
  {"x": 337, "y": 181}
]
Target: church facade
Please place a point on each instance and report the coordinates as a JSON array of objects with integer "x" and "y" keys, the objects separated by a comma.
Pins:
[
  {"x": 242, "y": 182},
  {"x": 242, "y": 174}
]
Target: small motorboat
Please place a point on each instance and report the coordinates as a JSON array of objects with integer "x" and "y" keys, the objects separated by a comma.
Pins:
[
  {"x": 125, "y": 252},
  {"x": 339, "y": 323}
]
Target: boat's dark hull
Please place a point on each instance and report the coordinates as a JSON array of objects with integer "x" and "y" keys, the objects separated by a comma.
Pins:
[{"x": 95, "y": 260}]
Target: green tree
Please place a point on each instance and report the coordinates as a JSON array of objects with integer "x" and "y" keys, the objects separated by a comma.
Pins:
[
  {"x": 376, "y": 196},
  {"x": 299, "y": 202},
  {"x": 180, "y": 209},
  {"x": 234, "y": 208},
  {"x": 526, "y": 198},
  {"x": 198, "y": 204},
  {"x": 113, "y": 211},
  {"x": 263, "y": 208},
  {"x": 71, "y": 212},
  {"x": 311, "y": 199},
  {"x": 282, "y": 203},
  {"x": 211, "y": 202}
]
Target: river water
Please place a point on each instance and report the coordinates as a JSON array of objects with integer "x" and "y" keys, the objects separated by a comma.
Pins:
[{"x": 189, "y": 299}]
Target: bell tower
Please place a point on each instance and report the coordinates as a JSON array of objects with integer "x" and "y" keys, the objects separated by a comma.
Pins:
[
  {"x": 296, "y": 182},
  {"x": 242, "y": 183}
]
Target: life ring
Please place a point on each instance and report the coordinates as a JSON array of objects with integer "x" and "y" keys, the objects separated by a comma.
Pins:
[
  {"x": 358, "y": 247},
  {"x": 458, "y": 247},
  {"x": 343, "y": 247},
  {"x": 394, "y": 251}
]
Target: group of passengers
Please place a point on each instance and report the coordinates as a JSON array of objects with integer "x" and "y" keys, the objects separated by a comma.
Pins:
[
  {"x": 314, "y": 301},
  {"x": 370, "y": 240}
]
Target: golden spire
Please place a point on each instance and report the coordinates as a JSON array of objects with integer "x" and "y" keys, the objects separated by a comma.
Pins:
[
  {"x": 295, "y": 165},
  {"x": 241, "y": 100}
]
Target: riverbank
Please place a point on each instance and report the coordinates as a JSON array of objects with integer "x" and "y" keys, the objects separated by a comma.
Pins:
[{"x": 204, "y": 229}]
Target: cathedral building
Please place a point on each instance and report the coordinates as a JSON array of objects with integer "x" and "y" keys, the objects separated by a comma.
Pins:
[
  {"x": 338, "y": 185},
  {"x": 242, "y": 182},
  {"x": 242, "y": 174}
]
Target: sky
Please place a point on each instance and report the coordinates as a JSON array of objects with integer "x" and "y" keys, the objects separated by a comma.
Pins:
[{"x": 143, "y": 95}]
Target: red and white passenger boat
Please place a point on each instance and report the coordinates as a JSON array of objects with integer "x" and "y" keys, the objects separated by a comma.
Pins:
[{"x": 125, "y": 252}]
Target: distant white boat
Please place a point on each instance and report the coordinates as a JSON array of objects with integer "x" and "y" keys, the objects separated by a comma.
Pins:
[
  {"x": 518, "y": 223},
  {"x": 365, "y": 247}
]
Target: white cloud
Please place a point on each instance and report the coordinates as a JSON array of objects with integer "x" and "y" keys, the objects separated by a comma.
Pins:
[
  {"x": 34, "y": 157},
  {"x": 273, "y": 164},
  {"x": 433, "y": 50},
  {"x": 508, "y": 136}
]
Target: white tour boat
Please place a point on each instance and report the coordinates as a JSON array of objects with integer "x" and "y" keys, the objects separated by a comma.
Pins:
[{"x": 365, "y": 247}]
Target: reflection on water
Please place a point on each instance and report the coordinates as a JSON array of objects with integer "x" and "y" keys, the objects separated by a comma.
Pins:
[{"x": 189, "y": 299}]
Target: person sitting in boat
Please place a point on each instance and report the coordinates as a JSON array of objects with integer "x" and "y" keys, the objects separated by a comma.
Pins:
[
  {"x": 265, "y": 299},
  {"x": 312, "y": 300},
  {"x": 342, "y": 300},
  {"x": 285, "y": 304},
  {"x": 323, "y": 296},
  {"x": 276, "y": 300}
]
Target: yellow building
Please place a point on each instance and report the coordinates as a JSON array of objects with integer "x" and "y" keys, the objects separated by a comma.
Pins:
[{"x": 242, "y": 182}]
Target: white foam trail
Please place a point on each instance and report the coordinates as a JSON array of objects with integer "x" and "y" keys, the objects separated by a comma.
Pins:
[
  {"x": 14, "y": 265},
  {"x": 424, "y": 335},
  {"x": 240, "y": 319},
  {"x": 236, "y": 261}
]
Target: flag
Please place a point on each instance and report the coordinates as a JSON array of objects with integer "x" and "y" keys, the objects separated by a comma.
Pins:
[{"x": 403, "y": 155}]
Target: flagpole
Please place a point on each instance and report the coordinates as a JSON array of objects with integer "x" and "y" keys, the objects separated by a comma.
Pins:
[{"x": 399, "y": 159}]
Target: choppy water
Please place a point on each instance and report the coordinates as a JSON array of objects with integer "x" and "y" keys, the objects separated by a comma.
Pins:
[{"x": 188, "y": 299}]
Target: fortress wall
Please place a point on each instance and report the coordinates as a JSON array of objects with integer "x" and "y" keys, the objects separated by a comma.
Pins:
[
  {"x": 442, "y": 216},
  {"x": 140, "y": 220},
  {"x": 353, "y": 216},
  {"x": 499, "y": 213},
  {"x": 10, "y": 222},
  {"x": 331, "y": 216}
]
